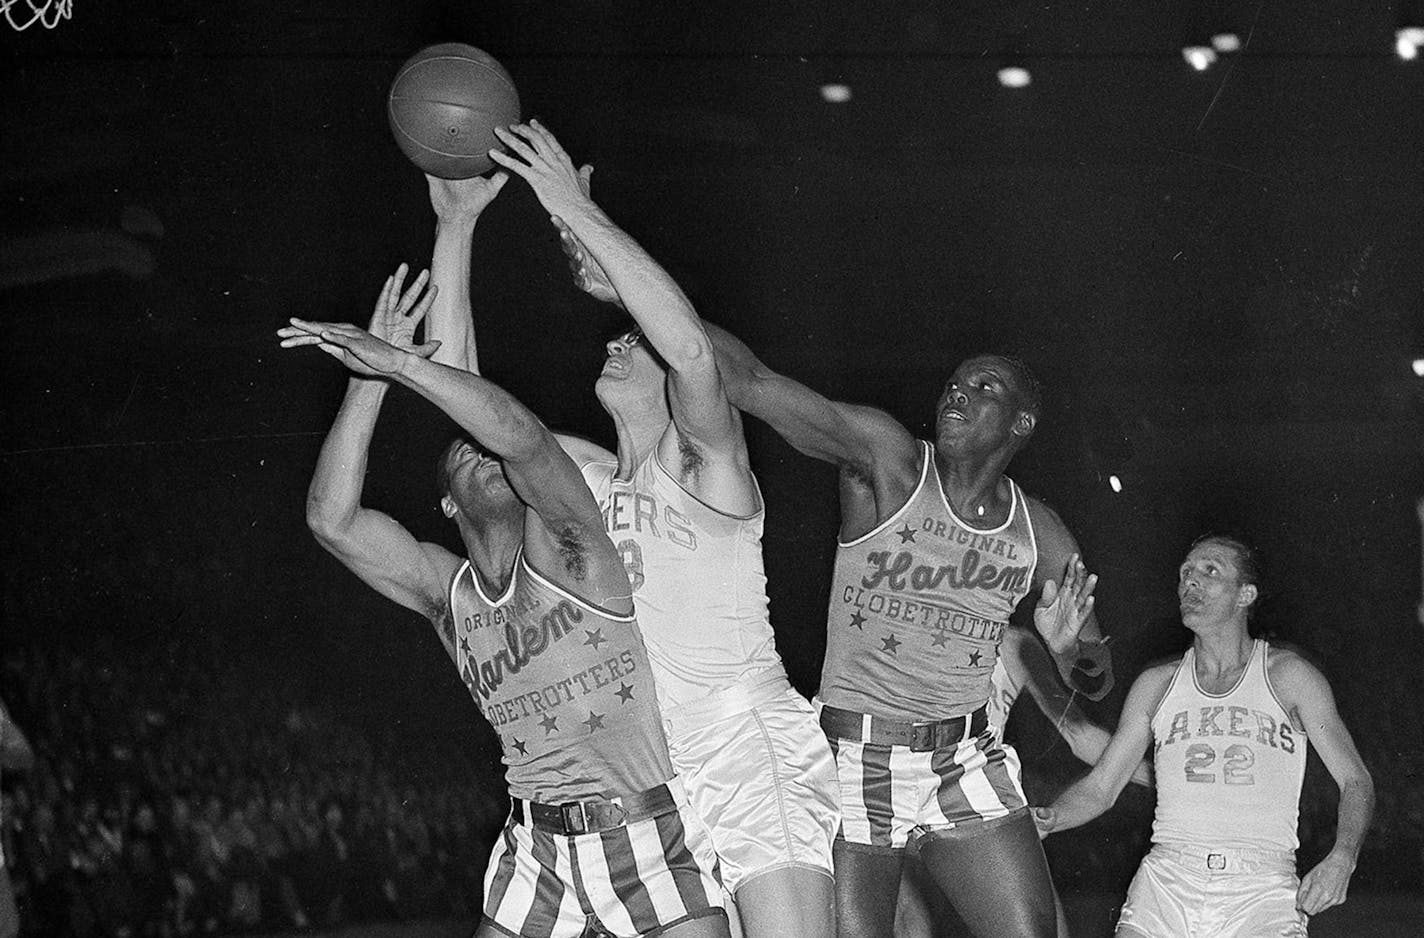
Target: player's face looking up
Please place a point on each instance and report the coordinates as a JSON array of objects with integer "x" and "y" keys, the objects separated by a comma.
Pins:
[
  {"x": 474, "y": 481},
  {"x": 1210, "y": 587},
  {"x": 632, "y": 366},
  {"x": 988, "y": 397}
]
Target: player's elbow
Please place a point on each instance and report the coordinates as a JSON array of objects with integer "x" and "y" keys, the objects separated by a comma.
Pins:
[
  {"x": 692, "y": 354},
  {"x": 328, "y": 523}
]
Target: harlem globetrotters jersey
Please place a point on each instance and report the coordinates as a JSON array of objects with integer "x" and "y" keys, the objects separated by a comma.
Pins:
[
  {"x": 565, "y": 684},
  {"x": 1229, "y": 766},
  {"x": 697, "y": 577},
  {"x": 919, "y": 604}
]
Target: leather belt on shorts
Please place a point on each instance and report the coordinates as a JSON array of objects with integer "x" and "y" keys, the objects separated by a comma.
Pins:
[
  {"x": 920, "y": 737},
  {"x": 594, "y": 814}
]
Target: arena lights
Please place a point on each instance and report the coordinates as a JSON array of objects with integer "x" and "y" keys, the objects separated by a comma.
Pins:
[
  {"x": 1408, "y": 40},
  {"x": 1199, "y": 57},
  {"x": 1418, "y": 366},
  {"x": 1014, "y": 76},
  {"x": 835, "y": 93},
  {"x": 1115, "y": 484}
]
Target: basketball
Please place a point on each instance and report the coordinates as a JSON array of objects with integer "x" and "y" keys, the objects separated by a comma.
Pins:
[{"x": 443, "y": 107}]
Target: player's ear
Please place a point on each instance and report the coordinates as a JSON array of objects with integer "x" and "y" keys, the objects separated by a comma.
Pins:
[
  {"x": 1246, "y": 595},
  {"x": 1024, "y": 424},
  {"x": 448, "y": 506}
]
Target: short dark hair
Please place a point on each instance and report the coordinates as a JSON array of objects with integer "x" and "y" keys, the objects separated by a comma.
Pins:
[
  {"x": 1030, "y": 389},
  {"x": 442, "y": 466},
  {"x": 1248, "y": 559}
]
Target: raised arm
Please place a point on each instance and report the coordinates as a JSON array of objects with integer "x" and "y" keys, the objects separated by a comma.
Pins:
[
  {"x": 458, "y": 204},
  {"x": 1307, "y": 697},
  {"x": 368, "y": 542},
  {"x": 1095, "y": 792},
  {"x": 1078, "y": 646},
  {"x": 699, "y": 404},
  {"x": 567, "y": 541}
]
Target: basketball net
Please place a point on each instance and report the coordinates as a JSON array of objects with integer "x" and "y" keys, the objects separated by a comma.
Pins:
[{"x": 23, "y": 14}]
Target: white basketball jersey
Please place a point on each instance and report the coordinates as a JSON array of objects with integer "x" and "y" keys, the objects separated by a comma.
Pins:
[
  {"x": 698, "y": 581},
  {"x": 1229, "y": 766}
]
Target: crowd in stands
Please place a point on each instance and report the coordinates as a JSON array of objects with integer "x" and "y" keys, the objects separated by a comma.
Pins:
[{"x": 173, "y": 794}]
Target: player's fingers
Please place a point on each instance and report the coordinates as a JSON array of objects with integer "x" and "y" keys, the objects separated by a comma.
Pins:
[
  {"x": 509, "y": 136},
  {"x": 384, "y": 299},
  {"x": 496, "y": 182},
  {"x": 297, "y": 341},
  {"x": 423, "y": 307},
  {"x": 409, "y": 297},
  {"x": 585, "y": 176},
  {"x": 508, "y": 162}
]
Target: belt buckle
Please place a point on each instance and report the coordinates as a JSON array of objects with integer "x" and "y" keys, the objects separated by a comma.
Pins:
[
  {"x": 574, "y": 818},
  {"x": 922, "y": 737},
  {"x": 1216, "y": 861}
]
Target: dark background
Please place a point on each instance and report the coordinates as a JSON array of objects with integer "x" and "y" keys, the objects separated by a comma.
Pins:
[{"x": 1217, "y": 275}]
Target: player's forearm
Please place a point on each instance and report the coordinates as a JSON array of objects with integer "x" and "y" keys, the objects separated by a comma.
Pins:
[
  {"x": 1080, "y": 803},
  {"x": 1357, "y": 806},
  {"x": 450, "y": 319},
  {"x": 649, "y": 293},
  {"x": 497, "y": 421},
  {"x": 334, "y": 496}
]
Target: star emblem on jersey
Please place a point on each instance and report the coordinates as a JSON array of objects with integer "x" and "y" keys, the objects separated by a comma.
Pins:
[
  {"x": 940, "y": 640},
  {"x": 889, "y": 644},
  {"x": 595, "y": 638},
  {"x": 974, "y": 659},
  {"x": 857, "y": 620},
  {"x": 625, "y": 693},
  {"x": 594, "y": 721},
  {"x": 519, "y": 744},
  {"x": 465, "y": 644},
  {"x": 550, "y": 723},
  {"x": 907, "y": 535}
]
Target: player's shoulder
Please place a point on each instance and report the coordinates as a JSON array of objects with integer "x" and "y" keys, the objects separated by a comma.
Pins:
[
  {"x": 1047, "y": 523},
  {"x": 1153, "y": 681},
  {"x": 1291, "y": 669}
]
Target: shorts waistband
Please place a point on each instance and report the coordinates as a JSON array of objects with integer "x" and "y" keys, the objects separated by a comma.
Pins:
[
  {"x": 594, "y": 815},
  {"x": 918, "y": 736},
  {"x": 751, "y": 691},
  {"x": 1227, "y": 859}
]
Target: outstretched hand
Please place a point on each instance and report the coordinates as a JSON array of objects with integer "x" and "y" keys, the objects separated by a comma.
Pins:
[
  {"x": 589, "y": 275},
  {"x": 542, "y": 163},
  {"x": 454, "y": 199},
  {"x": 1063, "y": 607},
  {"x": 392, "y": 334},
  {"x": 1045, "y": 820}
]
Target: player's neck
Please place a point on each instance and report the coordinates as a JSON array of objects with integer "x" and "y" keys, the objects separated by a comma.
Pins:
[
  {"x": 492, "y": 548},
  {"x": 976, "y": 487},
  {"x": 638, "y": 436},
  {"x": 1222, "y": 651}
]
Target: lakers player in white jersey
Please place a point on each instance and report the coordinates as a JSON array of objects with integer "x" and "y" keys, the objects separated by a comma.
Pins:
[
  {"x": 1228, "y": 724},
  {"x": 685, "y": 512}
]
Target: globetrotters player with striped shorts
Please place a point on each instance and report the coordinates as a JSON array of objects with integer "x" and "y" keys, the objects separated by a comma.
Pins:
[
  {"x": 936, "y": 549},
  {"x": 1228, "y": 724},
  {"x": 539, "y": 620}
]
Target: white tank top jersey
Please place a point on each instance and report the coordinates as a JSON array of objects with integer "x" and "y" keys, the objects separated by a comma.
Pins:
[
  {"x": 698, "y": 580},
  {"x": 919, "y": 604},
  {"x": 1229, "y": 766}
]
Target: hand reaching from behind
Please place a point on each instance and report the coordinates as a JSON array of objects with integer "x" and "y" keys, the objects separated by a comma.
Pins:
[
  {"x": 589, "y": 275},
  {"x": 1063, "y": 607},
  {"x": 377, "y": 352}
]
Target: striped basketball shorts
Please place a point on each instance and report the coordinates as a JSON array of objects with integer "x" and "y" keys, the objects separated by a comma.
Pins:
[
  {"x": 759, "y": 772},
  {"x": 900, "y": 780},
  {"x": 1221, "y": 892},
  {"x": 639, "y": 878}
]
